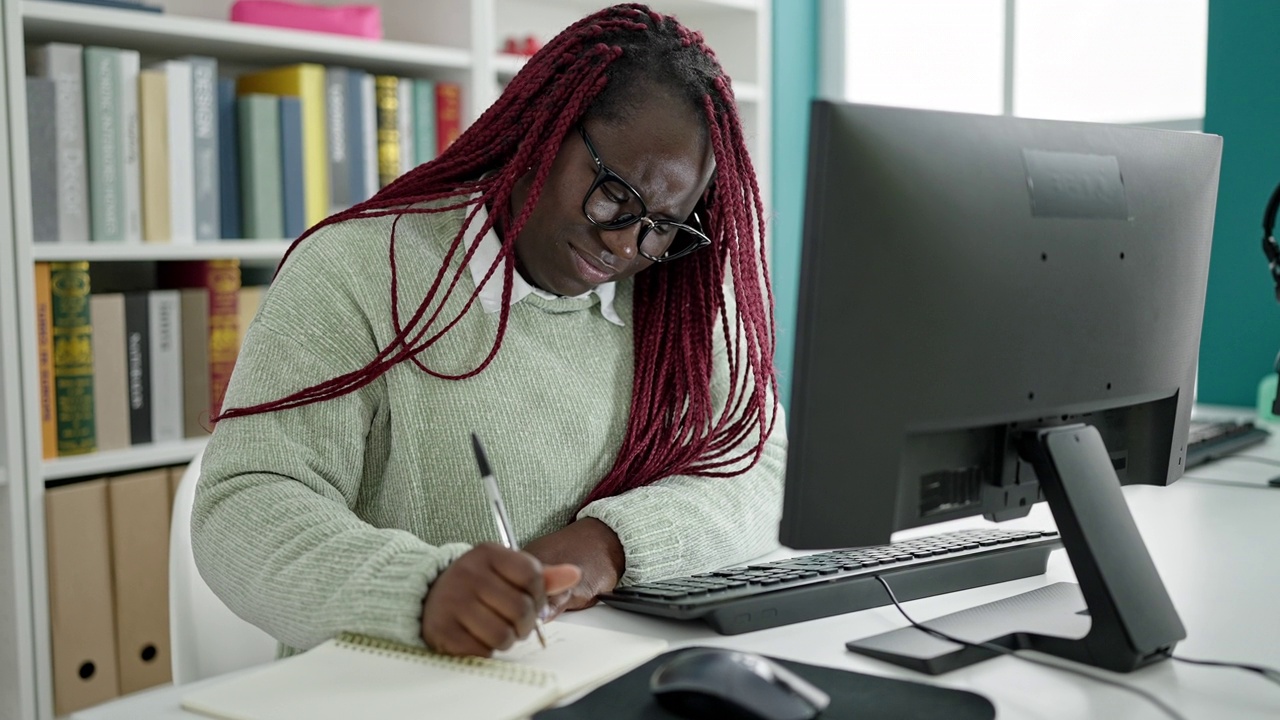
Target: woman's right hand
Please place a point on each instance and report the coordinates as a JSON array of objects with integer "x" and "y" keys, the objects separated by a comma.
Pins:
[{"x": 489, "y": 598}]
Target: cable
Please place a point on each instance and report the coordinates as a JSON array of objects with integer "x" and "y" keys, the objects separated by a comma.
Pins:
[
  {"x": 1006, "y": 651},
  {"x": 1269, "y": 673}
]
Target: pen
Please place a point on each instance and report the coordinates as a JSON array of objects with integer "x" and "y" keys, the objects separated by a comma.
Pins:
[{"x": 500, "y": 516}]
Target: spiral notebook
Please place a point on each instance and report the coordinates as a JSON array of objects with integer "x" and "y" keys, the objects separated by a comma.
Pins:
[{"x": 353, "y": 676}]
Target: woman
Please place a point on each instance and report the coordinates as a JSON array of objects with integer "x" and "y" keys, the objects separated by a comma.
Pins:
[{"x": 580, "y": 280}]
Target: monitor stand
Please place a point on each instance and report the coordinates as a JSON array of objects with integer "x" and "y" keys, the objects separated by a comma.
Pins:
[{"x": 1120, "y": 616}]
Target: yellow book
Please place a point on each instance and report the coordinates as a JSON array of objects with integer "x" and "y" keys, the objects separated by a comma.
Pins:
[
  {"x": 44, "y": 345},
  {"x": 305, "y": 82}
]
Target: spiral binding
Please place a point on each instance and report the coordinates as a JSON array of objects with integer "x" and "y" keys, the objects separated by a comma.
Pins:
[{"x": 484, "y": 667}]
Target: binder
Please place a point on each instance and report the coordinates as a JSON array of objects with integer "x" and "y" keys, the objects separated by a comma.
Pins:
[
  {"x": 81, "y": 606},
  {"x": 140, "y": 560}
]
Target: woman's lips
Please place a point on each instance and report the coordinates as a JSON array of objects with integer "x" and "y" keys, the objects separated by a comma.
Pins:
[{"x": 589, "y": 271}]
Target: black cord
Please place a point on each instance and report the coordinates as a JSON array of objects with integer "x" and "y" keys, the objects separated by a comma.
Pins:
[
  {"x": 1006, "y": 651},
  {"x": 1269, "y": 673}
]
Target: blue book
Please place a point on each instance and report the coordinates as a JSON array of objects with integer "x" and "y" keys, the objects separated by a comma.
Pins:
[
  {"x": 291, "y": 171},
  {"x": 228, "y": 160}
]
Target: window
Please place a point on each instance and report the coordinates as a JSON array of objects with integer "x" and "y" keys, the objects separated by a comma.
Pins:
[{"x": 1121, "y": 61}]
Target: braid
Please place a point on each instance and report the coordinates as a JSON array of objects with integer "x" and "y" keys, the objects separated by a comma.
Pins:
[{"x": 589, "y": 69}]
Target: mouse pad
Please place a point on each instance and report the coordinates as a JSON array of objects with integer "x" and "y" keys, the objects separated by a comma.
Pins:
[{"x": 853, "y": 695}]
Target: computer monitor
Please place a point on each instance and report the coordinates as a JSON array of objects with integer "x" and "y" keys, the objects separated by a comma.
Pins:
[{"x": 996, "y": 311}]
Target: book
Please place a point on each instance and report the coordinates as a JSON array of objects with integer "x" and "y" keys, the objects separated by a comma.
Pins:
[
  {"x": 43, "y": 142},
  {"x": 228, "y": 160},
  {"x": 388, "y": 100},
  {"x": 405, "y": 124},
  {"x": 110, "y": 372},
  {"x": 292, "y": 172},
  {"x": 305, "y": 82},
  {"x": 182, "y": 177},
  {"x": 369, "y": 123},
  {"x": 118, "y": 5},
  {"x": 72, "y": 357},
  {"x": 361, "y": 130},
  {"x": 138, "y": 356},
  {"x": 64, "y": 64},
  {"x": 153, "y": 134},
  {"x": 205, "y": 140},
  {"x": 104, "y": 117},
  {"x": 353, "y": 676},
  {"x": 164, "y": 314},
  {"x": 424, "y": 120},
  {"x": 44, "y": 358},
  {"x": 129, "y": 64},
  {"x": 336, "y": 109},
  {"x": 260, "y": 182},
  {"x": 448, "y": 114}
]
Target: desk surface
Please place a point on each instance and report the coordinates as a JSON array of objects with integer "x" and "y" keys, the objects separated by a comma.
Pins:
[{"x": 1212, "y": 536}]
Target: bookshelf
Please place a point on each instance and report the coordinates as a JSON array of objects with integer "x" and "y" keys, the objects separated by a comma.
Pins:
[{"x": 453, "y": 40}]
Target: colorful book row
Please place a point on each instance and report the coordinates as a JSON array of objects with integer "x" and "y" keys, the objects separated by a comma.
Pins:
[
  {"x": 128, "y": 368},
  {"x": 174, "y": 153}
]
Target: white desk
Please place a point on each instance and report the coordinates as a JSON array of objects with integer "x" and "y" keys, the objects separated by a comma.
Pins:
[{"x": 1214, "y": 541}]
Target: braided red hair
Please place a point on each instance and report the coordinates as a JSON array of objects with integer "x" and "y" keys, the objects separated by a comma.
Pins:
[{"x": 672, "y": 428}]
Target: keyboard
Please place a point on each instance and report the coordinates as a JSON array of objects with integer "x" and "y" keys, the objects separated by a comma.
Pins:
[
  {"x": 755, "y": 597},
  {"x": 1213, "y": 440}
]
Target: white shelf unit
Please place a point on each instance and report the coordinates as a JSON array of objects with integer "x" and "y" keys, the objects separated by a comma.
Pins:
[{"x": 456, "y": 40}]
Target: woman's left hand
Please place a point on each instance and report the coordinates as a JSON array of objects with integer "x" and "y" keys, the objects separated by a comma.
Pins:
[{"x": 592, "y": 546}]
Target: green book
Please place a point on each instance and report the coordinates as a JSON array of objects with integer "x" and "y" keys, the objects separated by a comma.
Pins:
[
  {"x": 261, "y": 179},
  {"x": 424, "y": 120},
  {"x": 104, "y": 118},
  {"x": 72, "y": 357}
]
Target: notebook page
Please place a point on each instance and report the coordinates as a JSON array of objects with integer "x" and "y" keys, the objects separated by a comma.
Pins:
[
  {"x": 339, "y": 681},
  {"x": 580, "y": 656}
]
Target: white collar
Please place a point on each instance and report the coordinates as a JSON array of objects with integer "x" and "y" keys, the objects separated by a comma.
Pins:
[{"x": 491, "y": 294}]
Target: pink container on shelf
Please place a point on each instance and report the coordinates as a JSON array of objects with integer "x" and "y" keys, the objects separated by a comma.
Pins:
[{"x": 359, "y": 20}]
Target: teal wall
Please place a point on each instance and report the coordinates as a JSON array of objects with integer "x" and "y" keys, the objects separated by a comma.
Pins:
[
  {"x": 795, "y": 84},
  {"x": 1242, "y": 104}
]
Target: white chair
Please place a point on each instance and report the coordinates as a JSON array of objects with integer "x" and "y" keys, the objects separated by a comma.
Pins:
[{"x": 205, "y": 637}]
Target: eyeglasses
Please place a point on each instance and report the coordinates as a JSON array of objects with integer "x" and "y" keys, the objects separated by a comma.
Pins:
[{"x": 611, "y": 203}]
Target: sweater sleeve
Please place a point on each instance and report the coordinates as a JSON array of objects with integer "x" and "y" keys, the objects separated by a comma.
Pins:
[
  {"x": 683, "y": 524},
  {"x": 273, "y": 530}
]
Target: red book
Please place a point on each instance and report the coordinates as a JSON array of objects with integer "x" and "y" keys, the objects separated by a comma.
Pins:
[
  {"x": 448, "y": 114},
  {"x": 221, "y": 278}
]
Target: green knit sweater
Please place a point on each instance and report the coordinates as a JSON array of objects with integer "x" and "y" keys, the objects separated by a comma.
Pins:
[{"x": 337, "y": 516}]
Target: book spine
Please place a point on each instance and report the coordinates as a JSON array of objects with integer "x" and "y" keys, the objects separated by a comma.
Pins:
[
  {"x": 338, "y": 121},
  {"x": 369, "y": 123},
  {"x": 204, "y": 148},
  {"x": 165, "y": 325},
  {"x": 424, "y": 120},
  {"x": 182, "y": 211},
  {"x": 405, "y": 124},
  {"x": 129, "y": 64},
  {"x": 153, "y": 122},
  {"x": 260, "y": 181},
  {"x": 72, "y": 356},
  {"x": 356, "y": 133},
  {"x": 44, "y": 357},
  {"x": 43, "y": 143},
  {"x": 138, "y": 354},
  {"x": 306, "y": 82},
  {"x": 292, "y": 167},
  {"x": 194, "y": 357},
  {"x": 388, "y": 97},
  {"x": 110, "y": 372},
  {"x": 63, "y": 63},
  {"x": 229, "y": 160},
  {"x": 103, "y": 123},
  {"x": 448, "y": 114},
  {"x": 224, "y": 327}
]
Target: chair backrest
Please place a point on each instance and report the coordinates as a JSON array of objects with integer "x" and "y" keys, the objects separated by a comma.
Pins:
[{"x": 206, "y": 638}]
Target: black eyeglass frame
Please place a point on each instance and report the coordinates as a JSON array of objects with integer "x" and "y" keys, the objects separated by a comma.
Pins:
[{"x": 698, "y": 238}]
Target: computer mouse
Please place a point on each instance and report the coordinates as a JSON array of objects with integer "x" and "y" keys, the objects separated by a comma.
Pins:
[{"x": 722, "y": 683}]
